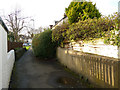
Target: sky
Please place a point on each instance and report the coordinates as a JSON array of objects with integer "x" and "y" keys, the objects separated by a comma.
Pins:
[{"x": 45, "y": 12}]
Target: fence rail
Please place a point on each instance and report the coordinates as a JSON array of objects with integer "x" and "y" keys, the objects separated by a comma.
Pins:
[{"x": 100, "y": 70}]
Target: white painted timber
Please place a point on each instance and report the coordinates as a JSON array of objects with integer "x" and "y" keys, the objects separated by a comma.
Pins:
[
  {"x": 0, "y": 57},
  {"x": 98, "y": 48},
  {"x": 6, "y": 60}
]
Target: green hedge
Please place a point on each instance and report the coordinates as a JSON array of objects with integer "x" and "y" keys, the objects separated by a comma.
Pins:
[
  {"x": 43, "y": 46},
  {"x": 81, "y": 10},
  {"x": 59, "y": 33},
  {"x": 85, "y": 30},
  {"x": 89, "y": 29}
]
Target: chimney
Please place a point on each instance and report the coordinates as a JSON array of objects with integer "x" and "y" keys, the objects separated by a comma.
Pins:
[
  {"x": 56, "y": 22},
  {"x": 51, "y": 26}
]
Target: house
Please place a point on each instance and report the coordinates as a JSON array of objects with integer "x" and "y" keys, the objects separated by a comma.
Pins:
[
  {"x": 60, "y": 22},
  {"x": 6, "y": 58}
]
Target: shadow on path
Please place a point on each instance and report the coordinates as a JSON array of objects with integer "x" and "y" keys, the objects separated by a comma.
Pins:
[{"x": 31, "y": 72}]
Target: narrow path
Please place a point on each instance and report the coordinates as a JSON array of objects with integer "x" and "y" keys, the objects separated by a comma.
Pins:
[{"x": 31, "y": 72}]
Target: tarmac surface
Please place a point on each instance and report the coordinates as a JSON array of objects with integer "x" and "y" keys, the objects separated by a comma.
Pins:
[{"x": 32, "y": 72}]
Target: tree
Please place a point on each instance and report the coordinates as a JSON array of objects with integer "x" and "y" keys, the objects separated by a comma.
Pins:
[
  {"x": 30, "y": 34},
  {"x": 16, "y": 23},
  {"x": 10, "y": 36},
  {"x": 81, "y": 10}
]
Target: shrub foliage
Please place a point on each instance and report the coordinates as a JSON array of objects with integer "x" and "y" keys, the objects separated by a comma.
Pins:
[
  {"x": 87, "y": 29},
  {"x": 81, "y": 10},
  {"x": 43, "y": 46},
  {"x": 113, "y": 37},
  {"x": 59, "y": 33}
]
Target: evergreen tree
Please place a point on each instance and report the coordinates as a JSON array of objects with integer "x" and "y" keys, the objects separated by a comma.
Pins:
[{"x": 81, "y": 10}]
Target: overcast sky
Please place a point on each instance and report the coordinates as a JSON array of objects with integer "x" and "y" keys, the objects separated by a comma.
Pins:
[{"x": 45, "y": 12}]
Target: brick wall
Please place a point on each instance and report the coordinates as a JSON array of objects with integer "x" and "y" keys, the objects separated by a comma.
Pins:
[
  {"x": 13, "y": 45},
  {"x": 100, "y": 70}
]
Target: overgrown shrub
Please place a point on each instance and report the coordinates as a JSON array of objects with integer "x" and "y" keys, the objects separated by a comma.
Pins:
[
  {"x": 85, "y": 30},
  {"x": 113, "y": 37},
  {"x": 89, "y": 29},
  {"x": 43, "y": 46},
  {"x": 59, "y": 33}
]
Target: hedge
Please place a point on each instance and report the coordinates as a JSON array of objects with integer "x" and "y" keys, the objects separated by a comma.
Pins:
[
  {"x": 85, "y": 30},
  {"x": 43, "y": 46}
]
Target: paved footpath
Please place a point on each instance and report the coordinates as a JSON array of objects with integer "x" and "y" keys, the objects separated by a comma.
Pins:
[{"x": 31, "y": 72}]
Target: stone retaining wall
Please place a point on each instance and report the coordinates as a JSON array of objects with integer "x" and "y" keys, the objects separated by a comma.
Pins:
[{"x": 100, "y": 70}]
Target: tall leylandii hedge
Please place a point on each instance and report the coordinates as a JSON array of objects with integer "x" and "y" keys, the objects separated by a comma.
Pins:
[
  {"x": 43, "y": 46},
  {"x": 81, "y": 10}
]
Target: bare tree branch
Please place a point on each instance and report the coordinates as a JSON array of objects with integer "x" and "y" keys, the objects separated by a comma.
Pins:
[{"x": 16, "y": 23}]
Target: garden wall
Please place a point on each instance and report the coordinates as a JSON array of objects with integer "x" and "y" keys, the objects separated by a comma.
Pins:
[
  {"x": 3, "y": 52},
  {"x": 6, "y": 59},
  {"x": 96, "y": 47},
  {"x": 100, "y": 70},
  {"x": 7, "y": 68}
]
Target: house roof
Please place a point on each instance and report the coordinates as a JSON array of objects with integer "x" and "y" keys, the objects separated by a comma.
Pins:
[
  {"x": 3, "y": 25},
  {"x": 61, "y": 19},
  {"x": 57, "y": 22}
]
